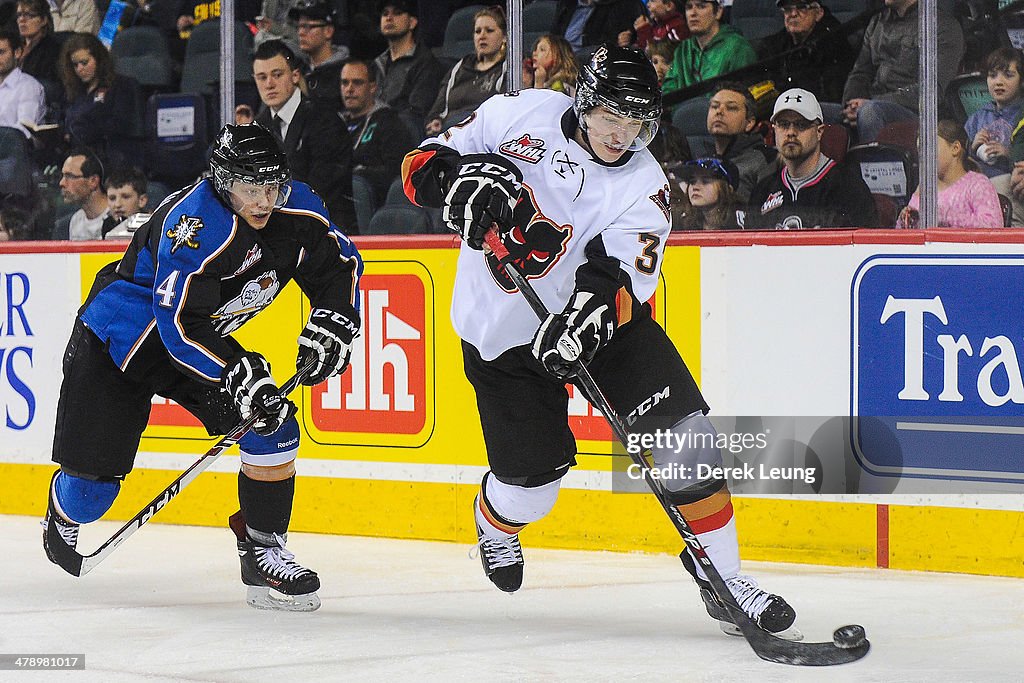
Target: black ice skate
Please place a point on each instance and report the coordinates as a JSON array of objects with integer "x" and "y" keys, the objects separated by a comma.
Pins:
[
  {"x": 769, "y": 611},
  {"x": 68, "y": 530},
  {"x": 275, "y": 579},
  {"x": 502, "y": 560}
]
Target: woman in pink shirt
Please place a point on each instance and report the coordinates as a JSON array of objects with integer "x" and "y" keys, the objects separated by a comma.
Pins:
[{"x": 966, "y": 197}]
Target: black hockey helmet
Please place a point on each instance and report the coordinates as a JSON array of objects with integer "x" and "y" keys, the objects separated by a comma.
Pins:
[
  {"x": 623, "y": 80},
  {"x": 248, "y": 154}
]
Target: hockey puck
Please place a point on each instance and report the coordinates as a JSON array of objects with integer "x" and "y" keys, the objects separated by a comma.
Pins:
[{"x": 848, "y": 637}]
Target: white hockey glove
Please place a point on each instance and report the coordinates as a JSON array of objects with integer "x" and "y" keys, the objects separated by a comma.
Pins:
[
  {"x": 328, "y": 337},
  {"x": 484, "y": 190},
  {"x": 249, "y": 383},
  {"x": 585, "y": 325}
]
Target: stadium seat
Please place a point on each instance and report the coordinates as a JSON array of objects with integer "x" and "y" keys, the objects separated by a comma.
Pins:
[
  {"x": 844, "y": 10},
  {"x": 15, "y": 163},
  {"x": 201, "y": 70},
  {"x": 142, "y": 53},
  {"x": 539, "y": 17},
  {"x": 399, "y": 220},
  {"x": 458, "y": 35},
  {"x": 156, "y": 192},
  {"x": 966, "y": 94},
  {"x": 887, "y": 170},
  {"x": 176, "y": 137},
  {"x": 756, "y": 19},
  {"x": 901, "y": 134},
  {"x": 691, "y": 119},
  {"x": 362, "y": 197}
]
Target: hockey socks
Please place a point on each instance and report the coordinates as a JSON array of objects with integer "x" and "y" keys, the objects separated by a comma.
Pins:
[
  {"x": 266, "y": 505},
  {"x": 81, "y": 500}
]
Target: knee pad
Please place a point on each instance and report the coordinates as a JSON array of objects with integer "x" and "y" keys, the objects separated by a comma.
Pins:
[
  {"x": 519, "y": 504},
  {"x": 279, "y": 448},
  {"x": 685, "y": 456},
  {"x": 83, "y": 500}
]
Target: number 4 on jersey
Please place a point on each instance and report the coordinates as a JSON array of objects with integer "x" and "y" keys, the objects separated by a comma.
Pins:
[{"x": 166, "y": 289}]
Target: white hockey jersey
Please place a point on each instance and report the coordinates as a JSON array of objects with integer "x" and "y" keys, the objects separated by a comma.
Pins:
[{"x": 569, "y": 201}]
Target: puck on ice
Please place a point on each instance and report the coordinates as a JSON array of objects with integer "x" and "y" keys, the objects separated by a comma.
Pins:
[{"x": 849, "y": 636}]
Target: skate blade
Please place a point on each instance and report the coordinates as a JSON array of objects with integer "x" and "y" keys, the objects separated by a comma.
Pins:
[
  {"x": 263, "y": 597},
  {"x": 790, "y": 633}
]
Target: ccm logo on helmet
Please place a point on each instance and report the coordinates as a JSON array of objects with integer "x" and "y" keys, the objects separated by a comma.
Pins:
[
  {"x": 643, "y": 100},
  {"x": 264, "y": 169}
]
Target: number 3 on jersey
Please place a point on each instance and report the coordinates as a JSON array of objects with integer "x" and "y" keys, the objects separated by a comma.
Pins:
[
  {"x": 166, "y": 289},
  {"x": 648, "y": 262}
]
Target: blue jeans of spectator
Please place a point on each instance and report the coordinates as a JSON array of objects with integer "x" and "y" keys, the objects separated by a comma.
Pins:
[{"x": 874, "y": 115}]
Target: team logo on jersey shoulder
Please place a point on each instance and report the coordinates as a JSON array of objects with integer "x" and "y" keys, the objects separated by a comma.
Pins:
[
  {"x": 251, "y": 257},
  {"x": 773, "y": 202},
  {"x": 525, "y": 148},
  {"x": 661, "y": 199},
  {"x": 185, "y": 232}
]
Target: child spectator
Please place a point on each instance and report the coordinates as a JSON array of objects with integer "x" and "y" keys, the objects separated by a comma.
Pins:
[
  {"x": 126, "y": 196},
  {"x": 660, "y": 53},
  {"x": 966, "y": 197},
  {"x": 710, "y": 202},
  {"x": 989, "y": 129},
  {"x": 554, "y": 64},
  {"x": 662, "y": 21}
]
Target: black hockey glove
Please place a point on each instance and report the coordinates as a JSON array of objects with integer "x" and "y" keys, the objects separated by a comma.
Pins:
[
  {"x": 484, "y": 189},
  {"x": 249, "y": 383},
  {"x": 327, "y": 337},
  {"x": 585, "y": 325}
]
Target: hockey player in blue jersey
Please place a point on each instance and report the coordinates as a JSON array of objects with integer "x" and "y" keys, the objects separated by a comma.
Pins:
[{"x": 158, "y": 322}]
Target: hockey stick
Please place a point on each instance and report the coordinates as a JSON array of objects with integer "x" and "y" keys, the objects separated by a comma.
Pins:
[
  {"x": 76, "y": 564},
  {"x": 848, "y": 643}
]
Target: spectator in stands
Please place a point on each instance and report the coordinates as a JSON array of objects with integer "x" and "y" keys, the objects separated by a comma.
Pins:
[
  {"x": 195, "y": 12},
  {"x": 380, "y": 140},
  {"x": 810, "y": 52},
  {"x": 811, "y": 191},
  {"x": 554, "y": 65},
  {"x": 126, "y": 196},
  {"x": 476, "y": 76},
  {"x": 712, "y": 49},
  {"x": 102, "y": 108},
  {"x": 731, "y": 122},
  {"x": 588, "y": 23},
  {"x": 272, "y": 24},
  {"x": 41, "y": 53},
  {"x": 661, "y": 21},
  {"x": 710, "y": 201},
  {"x": 21, "y": 96},
  {"x": 411, "y": 73},
  {"x": 314, "y": 20},
  {"x": 966, "y": 197},
  {"x": 75, "y": 16},
  {"x": 883, "y": 86},
  {"x": 15, "y": 224},
  {"x": 660, "y": 53},
  {"x": 316, "y": 142},
  {"x": 81, "y": 184},
  {"x": 990, "y": 128}
]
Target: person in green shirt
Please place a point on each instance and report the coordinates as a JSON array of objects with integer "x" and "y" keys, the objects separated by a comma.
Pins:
[{"x": 712, "y": 49}]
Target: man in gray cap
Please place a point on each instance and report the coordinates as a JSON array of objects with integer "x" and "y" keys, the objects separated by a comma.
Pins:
[
  {"x": 411, "y": 73},
  {"x": 314, "y": 22},
  {"x": 812, "y": 190}
]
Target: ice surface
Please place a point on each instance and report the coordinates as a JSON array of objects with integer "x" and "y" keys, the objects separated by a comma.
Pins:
[{"x": 169, "y": 606}]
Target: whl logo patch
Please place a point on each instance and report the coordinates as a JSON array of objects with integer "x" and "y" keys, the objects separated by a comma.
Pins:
[{"x": 530, "y": 150}]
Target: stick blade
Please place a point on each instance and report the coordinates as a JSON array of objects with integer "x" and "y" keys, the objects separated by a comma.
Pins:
[
  {"x": 59, "y": 552},
  {"x": 772, "y": 649}
]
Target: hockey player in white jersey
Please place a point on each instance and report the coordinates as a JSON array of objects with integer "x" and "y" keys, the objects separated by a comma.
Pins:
[{"x": 583, "y": 208}]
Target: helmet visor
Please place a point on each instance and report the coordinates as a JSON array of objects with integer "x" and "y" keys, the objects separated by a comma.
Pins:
[
  {"x": 618, "y": 131},
  {"x": 267, "y": 196}
]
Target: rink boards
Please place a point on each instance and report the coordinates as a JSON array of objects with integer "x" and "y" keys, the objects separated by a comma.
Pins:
[{"x": 917, "y": 335}]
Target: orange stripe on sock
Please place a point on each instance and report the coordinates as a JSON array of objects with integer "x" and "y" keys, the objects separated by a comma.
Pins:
[
  {"x": 493, "y": 520},
  {"x": 714, "y": 512}
]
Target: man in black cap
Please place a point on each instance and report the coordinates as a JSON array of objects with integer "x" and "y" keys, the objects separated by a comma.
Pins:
[
  {"x": 411, "y": 74},
  {"x": 812, "y": 53},
  {"x": 314, "y": 22}
]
